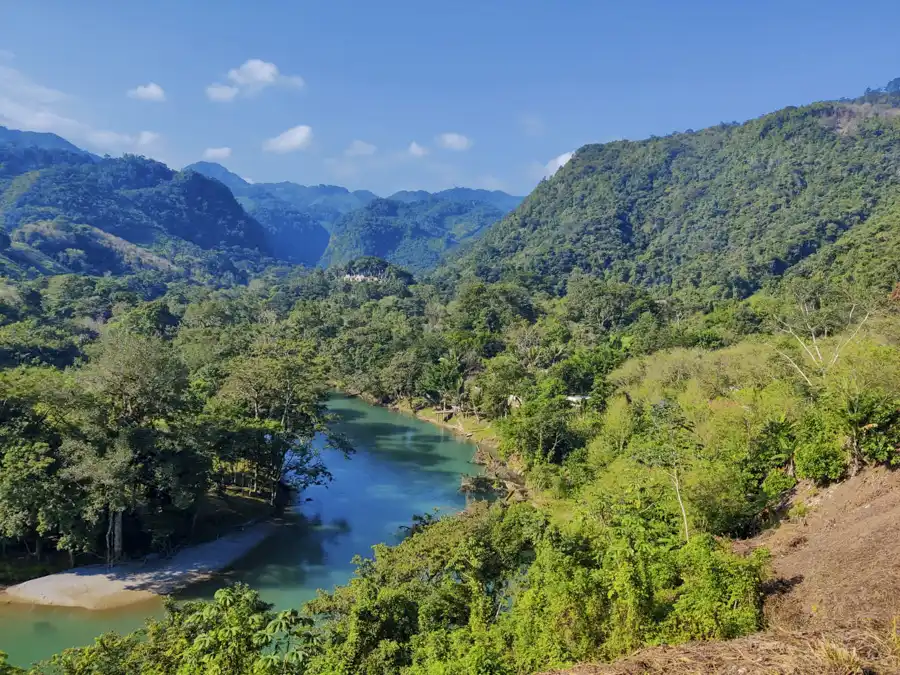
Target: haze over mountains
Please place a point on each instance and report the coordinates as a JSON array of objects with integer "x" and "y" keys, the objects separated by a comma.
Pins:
[
  {"x": 329, "y": 224},
  {"x": 69, "y": 210},
  {"x": 720, "y": 211}
]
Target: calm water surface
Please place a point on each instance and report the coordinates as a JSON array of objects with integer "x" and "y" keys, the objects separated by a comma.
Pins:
[{"x": 402, "y": 467}]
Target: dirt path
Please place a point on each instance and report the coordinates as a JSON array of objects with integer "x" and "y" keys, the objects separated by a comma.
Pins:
[{"x": 102, "y": 587}]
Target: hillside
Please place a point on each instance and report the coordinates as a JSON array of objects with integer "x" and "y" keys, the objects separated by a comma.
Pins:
[
  {"x": 118, "y": 215},
  {"x": 413, "y": 235},
  {"x": 719, "y": 210},
  {"x": 415, "y": 231},
  {"x": 294, "y": 233},
  {"x": 831, "y": 599}
]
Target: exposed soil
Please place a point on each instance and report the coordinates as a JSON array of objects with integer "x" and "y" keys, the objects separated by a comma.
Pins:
[
  {"x": 840, "y": 563},
  {"x": 831, "y": 603}
]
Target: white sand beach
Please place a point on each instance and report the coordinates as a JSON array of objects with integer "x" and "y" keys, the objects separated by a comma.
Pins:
[{"x": 104, "y": 587}]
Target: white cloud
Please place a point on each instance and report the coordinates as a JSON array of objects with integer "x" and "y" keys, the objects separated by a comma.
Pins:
[
  {"x": 417, "y": 150},
  {"x": 221, "y": 93},
  {"x": 531, "y": 124},
  {"x": 254, "y": 72},
  {"x": 557, "y": 163},
  {"x": 295, "y": 138},
  {"x": 251, "y": 77},
  {"x": 247, "y": 179},
  {"x": 360, "y": 149},
  {"x": 15, "y": 84},
  {"x": 147, "y": 138},
  {"x": 454, "y": 141},
  {"x": 217, "y": 153},
  {"x": 148, "y": 92},
  {"x": 489, "y": 182},
  {"x": 26, "y": 104}
]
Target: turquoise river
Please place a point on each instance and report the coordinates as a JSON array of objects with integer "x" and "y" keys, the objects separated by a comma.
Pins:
[{"x": 402, "y": 466}]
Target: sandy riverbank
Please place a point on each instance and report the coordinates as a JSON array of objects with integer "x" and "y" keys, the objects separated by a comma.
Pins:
[{"x": 103, "y": 587}]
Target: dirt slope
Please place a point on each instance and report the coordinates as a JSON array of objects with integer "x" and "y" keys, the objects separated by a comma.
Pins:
[{"x": 832, "y": 600}]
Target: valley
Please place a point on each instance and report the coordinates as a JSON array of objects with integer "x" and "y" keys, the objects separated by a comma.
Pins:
[{"x": 685, "y": 349}]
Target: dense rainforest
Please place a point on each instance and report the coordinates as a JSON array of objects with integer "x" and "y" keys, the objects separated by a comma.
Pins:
[
  {"x": 663, "y": 340},
  {"x": 328, "y": 225},
  {"x": 712, "y": 213},
  {"x": 414, "y": 235}
]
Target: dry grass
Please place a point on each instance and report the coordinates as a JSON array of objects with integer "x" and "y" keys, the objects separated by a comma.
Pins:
[
  {"x": 833, "y": 605},
  {"x": 859, "y": 651}
]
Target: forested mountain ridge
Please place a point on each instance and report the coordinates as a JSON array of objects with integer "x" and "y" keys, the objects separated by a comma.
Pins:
[
  {"x": 719, "y": 210},
  {"x": 295, "y": 234},
  {"x": 496, "y": 198},
  {"x": 409, "y": 228},
  {"x": 413, "y": 235},
  {"x": 36, "y": 139},
  {"x": 119, "y": 214},
  {"x": 323, "y": 203}
]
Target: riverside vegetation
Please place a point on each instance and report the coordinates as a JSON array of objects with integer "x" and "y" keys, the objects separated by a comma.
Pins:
[{"x": 663, "y": 385}]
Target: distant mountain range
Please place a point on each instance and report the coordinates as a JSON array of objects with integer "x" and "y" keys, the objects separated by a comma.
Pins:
[
  {"x": 329, "y": 224},
  {"x": 710, "y": 214},
  {"x": 65, "y": 209}
]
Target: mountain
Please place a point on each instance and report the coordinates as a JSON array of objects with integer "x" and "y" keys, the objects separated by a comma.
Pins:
[
  {"x": 323, "y": 204},
  {"x": 326, "y": 203},
  {"x": 293, "y": 232},
  {"x": 299, "y": 218},
  {"x": 232, "y": 181},
  {"x": 34, "y": 139},
  {"x": 495, "y": 198},
  {"x": 67, "y": 210},
  {"x": 719, "y": 211},
  {"x": 413, "y": 235}
]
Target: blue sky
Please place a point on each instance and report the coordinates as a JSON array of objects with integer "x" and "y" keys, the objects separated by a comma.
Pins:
[{"x": 490, "y": 92}]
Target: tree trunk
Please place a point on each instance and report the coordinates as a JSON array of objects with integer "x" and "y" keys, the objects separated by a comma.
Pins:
[
  {"x": 117, "y": 537},
  {"x": 109, "y": 533},
  {"x": 677, "y": 483}
]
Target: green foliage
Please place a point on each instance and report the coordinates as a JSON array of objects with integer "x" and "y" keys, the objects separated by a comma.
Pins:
[
  {"x": 720, "y": 210},
  {"x": 96, "y": 215},
  {"x": 704, "y": 358},
  {"x": 236, "y": 633},
  {"x": 413, "y": 235},
  {"x": 720, "y": 596}
]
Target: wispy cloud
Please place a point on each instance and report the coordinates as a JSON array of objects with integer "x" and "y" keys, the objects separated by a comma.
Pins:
[
  {"x": 295, "y": 138},
  {"x": 26, "y": 104},
  {"x": 417, "y": 150},
  {"x": 360, "y": 149},
  {"x": 489, "y": 182},
  {"x": 217, "y": 153},
  {"x": 408, "y": 168},
  {"x": 532, "y": 125},
  {"x": 454, "y": 141},
  {"x": 221, "y": 93},
  {"x": 148, "y": 92},
  {"x": 249, "y": 78}
]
